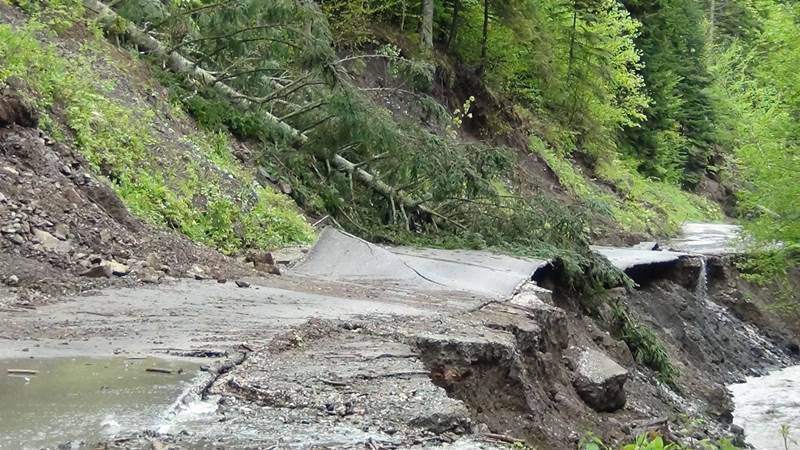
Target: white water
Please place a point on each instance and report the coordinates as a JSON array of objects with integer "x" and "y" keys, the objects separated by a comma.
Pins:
[{"x": 764, "y": 404}]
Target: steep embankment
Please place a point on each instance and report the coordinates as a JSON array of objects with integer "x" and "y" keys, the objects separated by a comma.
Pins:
[{"x": 100, "y": 170}]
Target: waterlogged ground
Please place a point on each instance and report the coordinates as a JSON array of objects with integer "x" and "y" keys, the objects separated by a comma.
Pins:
[
  {"x": 85, "y": 399},
  {"x": 765, "y": 404}
]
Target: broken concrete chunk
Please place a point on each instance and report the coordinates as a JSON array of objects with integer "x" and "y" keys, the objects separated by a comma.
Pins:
[{"x": 599, "y": 381}]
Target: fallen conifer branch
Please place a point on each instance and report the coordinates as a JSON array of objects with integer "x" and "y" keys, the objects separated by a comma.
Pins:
[{"x": 111, "y": 21}]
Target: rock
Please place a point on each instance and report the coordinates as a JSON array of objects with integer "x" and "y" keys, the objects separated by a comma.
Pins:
[
  {"x": 153, "y": 262},
  {"x": 242, "y": 284},
  {"x": 65, "y": 170},
  {"x": 12, "y": 281},
  {"x": 98, "y": 272},
  {"x": 197, "y": 273},
  {"x": 599, "y": 381},
  {"x": 647, "y": 245},
  {"x": 117, "y": 269},
  {"x": 222, "y": 280},
  {"x": 52, "y": 243},
  {"x": 105, "y": 236},
  {"x": 61, "y": 231},
  {"x": 10, "y": 170},
  {"x": 15, "y": 238},
  {"x": 3, "y": 198},
  {"x": 148, "y": 275},
  {"x": 268, "y": 268}
]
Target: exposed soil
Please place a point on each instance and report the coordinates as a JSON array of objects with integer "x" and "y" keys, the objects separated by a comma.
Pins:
[{"x": 58, "y": 221}]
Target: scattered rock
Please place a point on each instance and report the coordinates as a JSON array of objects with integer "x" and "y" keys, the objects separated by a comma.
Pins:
[
  {"x": 647, "y": 245},
  {"x": 52, "y": 243},
  {"x": 12, "y": 281},
  {"x": 599, "y": 381},
  {"x": 98, "y": 272},
  {"x": 148, "y": 275},
  {"x": 15, "y": 238},
  {"x": 14, "y": 110},
  {"x": 197, "y": 273},
  {"x": 222, "y": 280},
  {"x": 61, "y": 231},
  {"x": 242, "y": 284}
]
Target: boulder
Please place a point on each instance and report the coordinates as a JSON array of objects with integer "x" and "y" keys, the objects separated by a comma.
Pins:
[
  {"x": 599, "y": 381},
  {"x": 98, "y": 272},
  {"x": 117, "y": 269}
]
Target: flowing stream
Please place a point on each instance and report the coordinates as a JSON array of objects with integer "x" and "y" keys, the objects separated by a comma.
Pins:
[{"x": 768, "y": 408}]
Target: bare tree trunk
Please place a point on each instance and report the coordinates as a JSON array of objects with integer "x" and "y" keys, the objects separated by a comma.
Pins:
[
  {"x": 451, "y": 37},
  {"x": 427, "y": 24},
  {"x": 712, "y": 18},
  {"x": 485, "y": 41}
]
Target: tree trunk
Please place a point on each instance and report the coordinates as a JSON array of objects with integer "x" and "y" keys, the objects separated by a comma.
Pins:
[
  {"x": 485, "y": 41},
  {"x": 427, "y": 24},
  {"x": 451, "y": 36}
]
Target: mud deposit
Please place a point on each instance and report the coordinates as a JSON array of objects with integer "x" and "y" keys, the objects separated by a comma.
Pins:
[
  {"x": 765, "y": 404},
  {"x": 85, "y": 400}
]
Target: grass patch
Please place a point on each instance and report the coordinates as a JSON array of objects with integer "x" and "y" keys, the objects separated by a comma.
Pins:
[
  {"x": 639, "y": 204},
  {"x": 117, "y": 143}
]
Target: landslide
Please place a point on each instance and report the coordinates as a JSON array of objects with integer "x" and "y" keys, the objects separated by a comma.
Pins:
[{"x": 104, "y": 182}]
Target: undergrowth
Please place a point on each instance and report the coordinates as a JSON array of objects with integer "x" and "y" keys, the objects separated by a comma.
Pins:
[
  {"x": 652, "y": 441},
  {"x": 638, "y": 204},
  {"x": 646, "y": 347},
  {"x": 117, "y": 142}
]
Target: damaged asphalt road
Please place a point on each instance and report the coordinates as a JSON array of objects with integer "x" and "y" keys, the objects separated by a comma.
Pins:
[{"x": 385, "y": 354}]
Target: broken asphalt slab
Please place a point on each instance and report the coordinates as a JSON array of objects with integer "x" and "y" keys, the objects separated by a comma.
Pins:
[{"x": 343, "y": 257}]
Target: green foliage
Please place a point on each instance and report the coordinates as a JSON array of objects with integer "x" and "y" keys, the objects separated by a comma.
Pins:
[
  {"x": 116, "y": 142},
  {"x": 756, "y": 79},
  {"x": 638, "y": 204},
  {"x": 646, "y": 347},
  {"x": 57, "y": 15},
  {"x": 674, "y": 144},
  {"x": 651, "y": 441}
]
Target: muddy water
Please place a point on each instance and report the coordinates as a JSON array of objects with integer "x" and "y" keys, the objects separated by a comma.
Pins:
[
  {"x": 85, "y": 399},
  {"x": 764, "y": 404}
]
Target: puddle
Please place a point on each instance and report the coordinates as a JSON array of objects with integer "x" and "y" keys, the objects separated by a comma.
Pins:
[
  {"x": 765, "y": 404},
  {"x": 85, "y": 399}
]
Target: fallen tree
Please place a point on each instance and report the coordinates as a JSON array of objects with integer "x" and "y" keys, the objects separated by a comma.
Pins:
[{"x": 112, "y": 23}]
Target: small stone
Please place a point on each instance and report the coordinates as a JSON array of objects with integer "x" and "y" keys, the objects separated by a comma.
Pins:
[
  {"x": 12, "y": 281},
  {"x": 222, "y": 280},
  {"x": 153, "y": 262},
  {"x": 10, "y": 170},
  {"x": 61, "y": 231},
  {"x": 3, "y": 198},
  {"x": 98, "y": 272},
  {"x": 148, "y": 275},
  {"x": 242, "y": 284},
  {"x": 105, "y": 236},
  {"x": 66, "y": 170},
  {"x": 15, "y": 238}
]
